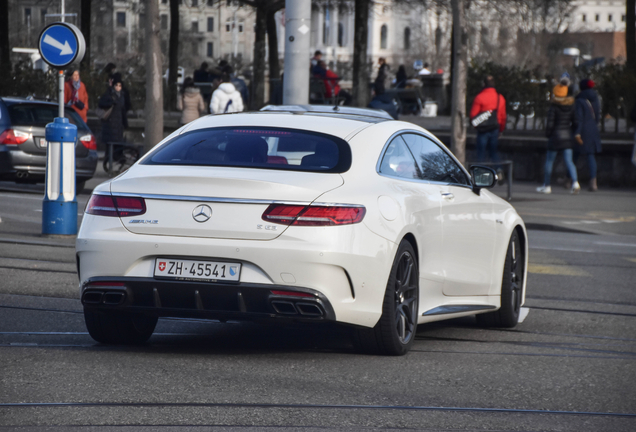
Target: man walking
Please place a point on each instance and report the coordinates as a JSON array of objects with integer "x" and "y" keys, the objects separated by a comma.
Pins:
[{"x": 488, "y": 116}]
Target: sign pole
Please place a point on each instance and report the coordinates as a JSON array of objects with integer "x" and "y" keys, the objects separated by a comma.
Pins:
[{"x": 60, "y": 45}]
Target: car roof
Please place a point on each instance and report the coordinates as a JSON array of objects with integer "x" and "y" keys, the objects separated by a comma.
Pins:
[
  {"x": 369, "y": 115},
  {"x": 12, "y": 100},
  {"x": 339, "y": 126}
]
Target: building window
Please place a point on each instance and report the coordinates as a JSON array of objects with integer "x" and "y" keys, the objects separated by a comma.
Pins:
[
  {"x": 609, "y": 17},
  {"x": 597, "y": 17},
  {"x": 211, "y": 3},
  {"x": 623, "y": 18},
  {"x": 164, "y": 1},
  {"x": 383, "y": 36},
  {"x": 210, "y": 24},
  {"x": 195, "y": 26},
  {"x": 43, "y": 16},
  {"x": 27, "y": 15},
  {"x": 407, "y": 38},
  {"x": 164, "y": 22},
  {"x": 228, "y": 25},
  {"x": 340, "y": 34},
  {"x": 240, "y": 26},
  {"x": 195, "y": 3},
  {"x": 326, "y": 27},
  {"x": 195, "y": 48},
  {"x": 583, "y": 18},
  {"x": 210, "y": 49},
  {"x": 121, "y": 19}
]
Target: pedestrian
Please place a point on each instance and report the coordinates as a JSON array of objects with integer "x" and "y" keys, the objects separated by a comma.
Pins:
[
  {"x": 190, "y": 102},
  {"x": 401, "y": 77},
  {"x": 425, "y": 70},
  {"x": 383, "y": 74},
  {"x": 75, "y": 95},
  {"x": 488, "y": 116},
  {"x": 113, "y": 123},
  {"x": 383, "y": 101},
  {"x": 107, "y": 72},
  {"x": 226, "y": 99},
  {"x": 202, "y": 76},
  {"x": 239, "y": 83},
  {"x": 561, "y": 123},
  {"x": 588, "y": 113},
  {"x": 124, "y": 91},
  {"x": 332, "y": 88},
  {"x": 314, "y": 62}
]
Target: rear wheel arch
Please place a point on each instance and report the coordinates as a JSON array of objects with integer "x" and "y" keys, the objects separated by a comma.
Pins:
[{"x": 409, "y": 237}]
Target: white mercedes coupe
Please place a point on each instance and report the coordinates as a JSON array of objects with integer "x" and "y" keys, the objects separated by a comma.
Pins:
[{"x": 300, "y": 213}]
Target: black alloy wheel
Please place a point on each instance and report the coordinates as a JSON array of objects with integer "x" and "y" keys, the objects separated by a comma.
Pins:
[
  {"x": 507, "y": 315},
  {"x": 395, "y": 331}
]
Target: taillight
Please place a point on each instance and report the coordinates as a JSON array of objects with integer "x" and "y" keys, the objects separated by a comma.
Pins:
[
  {"x": 313, "y": 215},
  {"x": 89, "y": 141},
  {"x": 115, "y": 206},
  {"x": 14, "y": 137}
]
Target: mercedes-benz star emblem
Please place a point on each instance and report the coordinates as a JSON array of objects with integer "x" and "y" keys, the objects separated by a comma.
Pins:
[{"x": 202, "y": 213}]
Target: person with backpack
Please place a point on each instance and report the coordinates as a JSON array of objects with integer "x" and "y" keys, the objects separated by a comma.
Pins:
[
  {"x": 488, "y": 116},
  {"x": 226, "y": 99},
  {"x": 561, "y": 123}
]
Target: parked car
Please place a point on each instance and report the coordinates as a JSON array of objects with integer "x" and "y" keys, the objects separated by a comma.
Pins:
[
  {"x": 300, "y": 213},
  {"x": 23, "y": 146}
]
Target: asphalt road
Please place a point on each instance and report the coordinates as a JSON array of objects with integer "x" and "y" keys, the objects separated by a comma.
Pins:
[{"x": 570, "y": 365}]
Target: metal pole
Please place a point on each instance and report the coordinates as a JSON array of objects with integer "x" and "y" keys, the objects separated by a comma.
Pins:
[
  {"x": 60, "y": 112},
  {"x": 297, "y": 55},
  {"x": 63, "y": 12}
]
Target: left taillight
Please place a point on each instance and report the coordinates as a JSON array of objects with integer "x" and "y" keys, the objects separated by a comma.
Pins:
[
  {"x": 89, "y": 141},
  {"x": 115, "y": 206},
  {"x": 14, "y": 137},
  {"x": 313, "y": 215}
]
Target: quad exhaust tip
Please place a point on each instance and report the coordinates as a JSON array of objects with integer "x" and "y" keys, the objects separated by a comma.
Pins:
[{"x": 110, "y": 298}]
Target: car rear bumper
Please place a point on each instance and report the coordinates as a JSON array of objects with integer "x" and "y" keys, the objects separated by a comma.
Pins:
[
  {"x": 16, "y": 164},
  {"x": 222, "y": 301}
]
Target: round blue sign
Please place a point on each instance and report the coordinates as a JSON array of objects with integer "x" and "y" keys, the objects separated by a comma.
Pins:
[{"x": 61, "y": 44}]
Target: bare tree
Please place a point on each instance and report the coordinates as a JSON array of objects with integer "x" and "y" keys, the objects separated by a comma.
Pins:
[
  {"x": 173, "y": 54},
  {"x": 85, "y": 27},
  {"x": 460, "y": 60},
  {"x": 5, "y": 51},
  {"x": 630, "y": 33},
  {"x": 360, "y": 67},
  {"x": 154, "y": 89}
]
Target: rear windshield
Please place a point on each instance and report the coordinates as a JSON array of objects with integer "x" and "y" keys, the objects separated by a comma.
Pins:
[
  {"x": 269, "y": 148},
  {"x": 40, "y": 115}
]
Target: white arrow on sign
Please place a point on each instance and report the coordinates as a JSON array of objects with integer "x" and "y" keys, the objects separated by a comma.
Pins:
[{"x": 65, "y": 49}]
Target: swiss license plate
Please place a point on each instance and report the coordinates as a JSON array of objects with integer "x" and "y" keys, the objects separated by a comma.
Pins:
[
  {"x": 43, "y": 143},
  {"x": 200, "y": 270}
]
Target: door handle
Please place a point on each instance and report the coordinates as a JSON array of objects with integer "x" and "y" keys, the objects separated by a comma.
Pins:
[{"x": 447, "y": 195}]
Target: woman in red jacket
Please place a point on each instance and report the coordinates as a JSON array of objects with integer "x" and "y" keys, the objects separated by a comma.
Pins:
[
  {"x": 75, "y": 95},
  {"x": 488, "y": 135}
]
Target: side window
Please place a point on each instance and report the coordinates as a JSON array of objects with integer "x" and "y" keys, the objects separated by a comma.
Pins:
[
  {"x": 397, "y": 161},
  {"x": 433, "y": 162}
]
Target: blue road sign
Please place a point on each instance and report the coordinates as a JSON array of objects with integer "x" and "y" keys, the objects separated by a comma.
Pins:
[{"x": 61, "y": 44}]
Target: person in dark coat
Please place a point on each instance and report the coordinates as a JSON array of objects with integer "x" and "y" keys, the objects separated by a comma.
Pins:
[
  {"x": 588, "y": 114},
  {"x": 383, "y": 73},
  {"x": 401, "y": 77},
  {"x": 113, "y": 126},
  {"x": 561, "y": 123},
  {"x": 382, "y": 101},
  {"x": 116, "y": 77}
]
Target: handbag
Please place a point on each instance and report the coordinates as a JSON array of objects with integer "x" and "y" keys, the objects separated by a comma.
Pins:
[
  {"x": 486, "y": 121},
  {"x": 79, "y": 105},
  {"x": 102, "y": 113}
]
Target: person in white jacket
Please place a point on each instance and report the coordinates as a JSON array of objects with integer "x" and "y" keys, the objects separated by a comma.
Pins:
[{"x": 226, "y": 99}]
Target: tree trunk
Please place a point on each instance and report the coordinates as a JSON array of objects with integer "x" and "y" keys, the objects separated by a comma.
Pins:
[
  {"x": 5, "y": 49},
  {"x": 360, "y": 67},
  {"x": 630, "y": 34},
  {"x": 85, "y": 24},
  {"x": 173, "y": 52},
  {"x": 272, "y": 42},
  {"x": 154, "y": 89},
  {"x": 258, "y": 81},
  {"x": 458, "y": 104}
]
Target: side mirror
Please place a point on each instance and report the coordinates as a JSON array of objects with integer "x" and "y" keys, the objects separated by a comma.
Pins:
[{"x": 483, "y": 177}]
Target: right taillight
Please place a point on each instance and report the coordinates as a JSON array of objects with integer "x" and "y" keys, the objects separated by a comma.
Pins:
[
  {"x": 313, "y": 215},
  {"x": 115, "y": 206},
  {"x": 14, "y": 137},
  {"x": 89, "y": 142}
]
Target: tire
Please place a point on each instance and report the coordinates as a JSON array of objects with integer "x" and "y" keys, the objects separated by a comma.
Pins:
[
  {"x": 119, "y": 328},
  {"x": 507, "y": 316},
  {"x": 395, "y": 331}
]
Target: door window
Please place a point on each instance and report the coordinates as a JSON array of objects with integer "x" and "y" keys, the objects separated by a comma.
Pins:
[
  {"x": 398, "y": 161},
  {"x": 433, "y": 162}
]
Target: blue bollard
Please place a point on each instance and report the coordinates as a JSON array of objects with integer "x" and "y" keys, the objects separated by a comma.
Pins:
[{"x": 59, "y": 209}]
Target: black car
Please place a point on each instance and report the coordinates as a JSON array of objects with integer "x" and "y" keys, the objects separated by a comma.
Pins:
[{"x": 23, "y": 146}]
